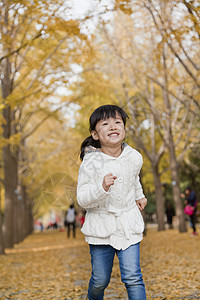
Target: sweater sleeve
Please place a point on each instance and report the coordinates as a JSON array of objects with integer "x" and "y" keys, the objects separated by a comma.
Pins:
[
  {"x": 90, "y": 192},
  {"x": 138, "y": 187}
]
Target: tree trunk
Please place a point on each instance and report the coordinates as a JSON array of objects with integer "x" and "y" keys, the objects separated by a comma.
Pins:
[
  {"x": 22, "y": 197},
  {"x": 9, "y": 159},
  {"x": 159, "y": 198},
  {"x": 155, "y": 159},
  {"x": 1, "y": 228},
  {"x": 1, "y": 236},
  {"x": 28, "y": 221},
  {"x": 1, "y": 225},
  {"x": 176, "y": 189},
  {"x": 20, "y": 219},
  {"x": 25, "y": 200},
  {"x": 172, "y": 153},
  {"x": 10, "y": 184}
]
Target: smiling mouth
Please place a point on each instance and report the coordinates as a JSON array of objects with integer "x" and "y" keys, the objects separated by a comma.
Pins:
[{"x": 113, "y": 134}]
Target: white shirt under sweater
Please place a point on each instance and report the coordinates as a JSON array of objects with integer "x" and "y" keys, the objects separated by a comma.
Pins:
[{"x": 112, "y": 217}]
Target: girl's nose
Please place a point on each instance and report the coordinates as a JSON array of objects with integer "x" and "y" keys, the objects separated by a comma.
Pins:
[{"x": 112, "y": 125}]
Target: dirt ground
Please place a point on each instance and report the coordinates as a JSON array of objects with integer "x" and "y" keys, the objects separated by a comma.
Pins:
[{"x": 47, "y": 265}]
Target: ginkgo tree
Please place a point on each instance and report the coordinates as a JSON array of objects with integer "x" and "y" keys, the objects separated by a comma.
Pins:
[
  {"x": 144, "y": 76},
  {"x": 39, "y": 41},
  {"x": 53, "y": 165}
]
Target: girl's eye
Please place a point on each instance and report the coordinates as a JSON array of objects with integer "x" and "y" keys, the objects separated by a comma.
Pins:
[
  {"x": 118, "y": 122},
  {"x": 105, "y": 123}
]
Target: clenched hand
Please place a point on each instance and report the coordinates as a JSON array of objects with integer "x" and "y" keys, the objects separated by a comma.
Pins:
[{"x": 108, "y": 180}]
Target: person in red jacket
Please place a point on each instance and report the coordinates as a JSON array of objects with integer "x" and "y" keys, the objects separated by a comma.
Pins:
[{"x": 191, "y": 199}]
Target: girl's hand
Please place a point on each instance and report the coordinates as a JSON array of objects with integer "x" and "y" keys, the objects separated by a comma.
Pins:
[
  {"x": 141, "y": 203},
  {"x": 108, "y": 180}
]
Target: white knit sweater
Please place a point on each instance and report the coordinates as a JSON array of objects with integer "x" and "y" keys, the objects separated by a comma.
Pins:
[{"x": 112, "y": 217}]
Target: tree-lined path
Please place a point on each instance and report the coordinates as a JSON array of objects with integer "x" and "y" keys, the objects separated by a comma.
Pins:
[
  {"x": 47, "y": 265},
  {"x": 57, "y": 64}
]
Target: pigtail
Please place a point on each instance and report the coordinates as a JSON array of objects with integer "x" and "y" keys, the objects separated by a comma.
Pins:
[{"x": 89, "y": 141}]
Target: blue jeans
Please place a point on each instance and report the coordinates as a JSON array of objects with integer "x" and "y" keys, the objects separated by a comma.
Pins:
[{"x": 102, "y": 257}]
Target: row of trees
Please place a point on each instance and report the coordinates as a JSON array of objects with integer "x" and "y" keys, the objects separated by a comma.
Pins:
[
  {"x": 147, "y": 61},
  {"x": 39, "y": 43},
  {"x": 144, "y": 59}
]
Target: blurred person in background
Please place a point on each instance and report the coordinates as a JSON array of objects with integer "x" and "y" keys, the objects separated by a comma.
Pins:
[
  {"x": 70, "y": 220},
  {"x": 191, "y": 199}
]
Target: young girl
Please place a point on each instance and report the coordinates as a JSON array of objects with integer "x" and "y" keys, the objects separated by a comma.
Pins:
[{"x": 109, "y": 190}]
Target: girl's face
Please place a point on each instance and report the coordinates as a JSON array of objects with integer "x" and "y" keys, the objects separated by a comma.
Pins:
[{"x": 110, "y": 132}]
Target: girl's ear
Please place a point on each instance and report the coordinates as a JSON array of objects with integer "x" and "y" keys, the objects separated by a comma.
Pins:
[{"x": 94, "y": 135}]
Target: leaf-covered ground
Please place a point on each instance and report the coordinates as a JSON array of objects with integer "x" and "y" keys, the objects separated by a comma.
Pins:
[{"x": 47, "y": 265}]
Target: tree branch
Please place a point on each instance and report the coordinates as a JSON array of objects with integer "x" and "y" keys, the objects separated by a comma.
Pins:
[
  {"x": 21, "y": 47},
  {"x": 164, "y": 34},
  {"x": 35, "y": 128}
]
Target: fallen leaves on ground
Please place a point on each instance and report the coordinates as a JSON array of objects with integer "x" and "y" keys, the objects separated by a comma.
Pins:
[{"x": 48, "y": 265}]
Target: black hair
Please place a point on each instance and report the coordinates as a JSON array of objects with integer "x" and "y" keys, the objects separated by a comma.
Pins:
[
  {"x": 101, "y": 113},
  {"x": 189, "y": 188}
]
